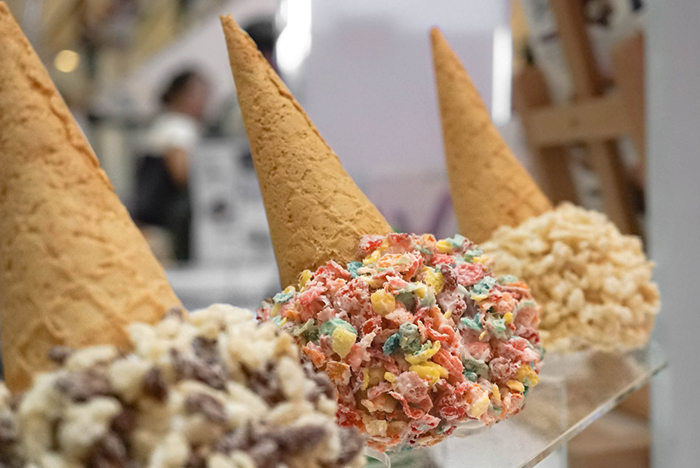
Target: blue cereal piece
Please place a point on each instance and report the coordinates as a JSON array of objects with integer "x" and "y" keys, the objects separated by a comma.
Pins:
[
  {"x": 353, "y": 267},
  {"x": 391, "y": 345}
]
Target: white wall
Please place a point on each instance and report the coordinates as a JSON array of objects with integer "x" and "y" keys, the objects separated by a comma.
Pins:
[
  {"x": 368, "y": 81},
  {"x": 673, "y": 90}
]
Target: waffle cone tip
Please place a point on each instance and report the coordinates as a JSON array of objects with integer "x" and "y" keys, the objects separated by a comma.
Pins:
[
  {"x": 315, "y": 211},
  {"x": 74, "y": 269},
  {"x": 489, "y": 187}
]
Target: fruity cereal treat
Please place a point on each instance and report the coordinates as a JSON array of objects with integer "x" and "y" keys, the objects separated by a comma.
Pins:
[{"x": 418, "y": 337}]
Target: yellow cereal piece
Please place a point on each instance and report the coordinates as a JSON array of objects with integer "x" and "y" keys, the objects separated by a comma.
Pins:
[
  {"x": 483, "y": 334},
  {"x": 480, "y": 259},
  {"x": 376, "y": 427},
  {"x": 496, "y": 392},
  {"x": 342, "y": 341},
  {"x": 479, "y": 297},
  {"x": 515, "y": 386},
  {"x": 275, "y": 310},
  {"x": 447, "y": 314},
  {"x": 372, "y": 258},
  {"x": 365, "y": 378},
  {"x": 421, "y": 290},
  {"x": 433, "y": 278},
  {"x": 304, "y": 278},
  {"x": 389, "y": 377},
  {"x": 424, "y": 355},
  {"x": 508, "y": 318},
  {"x": 283, "y": 321},
  {"x": 429, "y": 371},
  {"x": 527, "y": 375},
  {"x": 443, "y": 246},
  {"x": 383, "y": 302},
  {"x": 479, "y": 406},
  {"x": 289, "y": 290}
]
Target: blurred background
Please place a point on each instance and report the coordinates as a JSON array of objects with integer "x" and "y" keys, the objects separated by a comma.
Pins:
[{"x": 565, "y": 80}]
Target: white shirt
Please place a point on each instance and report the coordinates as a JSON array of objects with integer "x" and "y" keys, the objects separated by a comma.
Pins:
[{"x": 171, "y": 130}]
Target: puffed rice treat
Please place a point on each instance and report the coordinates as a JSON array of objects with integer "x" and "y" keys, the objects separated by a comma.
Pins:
[
  {"x": 208, "y": 389},
  {"x": 593, "y": 283}
]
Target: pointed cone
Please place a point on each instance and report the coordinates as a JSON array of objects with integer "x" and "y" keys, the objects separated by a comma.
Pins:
[
  {"x": 489, "y": 186},
  {"x": 74, "y": 269},
  {"x": 315, "y": 211}
]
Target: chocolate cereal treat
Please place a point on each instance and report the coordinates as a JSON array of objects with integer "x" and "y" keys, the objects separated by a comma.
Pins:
[{"x": 209, "y": 389}]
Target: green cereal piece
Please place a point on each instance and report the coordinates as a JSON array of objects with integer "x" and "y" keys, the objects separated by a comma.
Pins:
[
  {"x": 506, "y": 279},
  {"x": 484, "y": 285},
  {"x": 282, "y": 297},
  {"x": 474, "y": 324},
  {"x": 327, "y": 328},
  {"x": 478, "y": 367},
  {"x": 409, "y": 338}
]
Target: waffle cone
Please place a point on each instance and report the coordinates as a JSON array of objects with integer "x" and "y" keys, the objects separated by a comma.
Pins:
[
  {"x": 315, "y": 211},
  {"x": 489, "y": 186},
  {"x": 74, "y": 269}
]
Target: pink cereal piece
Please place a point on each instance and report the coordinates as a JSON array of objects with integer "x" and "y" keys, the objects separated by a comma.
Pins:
[
  {"x": 400, "y": 240},
  {"x": 368, "y": 244},
  {"x": 415, "y": 411},
  {"x": 527, "y": 316},
  {"x": 326, "y": 314},
  {"x": 399, "y": 315},
  {"x": 374, "y": 392},
  {"x": 412, "y": 387},
  {"x": 372, "y": 325},
  {"x": 479, "y": 350},
  {"x": 469, "y": 273},
  {"x": 530, "y": 334},
  {"x": 502, "y": 369},
  {"x": 441, "y": 259},
  {"x": 355, "y": 356},
  {"x": 396, "y": 282}
]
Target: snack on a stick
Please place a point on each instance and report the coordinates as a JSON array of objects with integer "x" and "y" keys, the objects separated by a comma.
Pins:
[
  {"x": 489, "y": 187},
  {"x": 207, "y": 389},
  {"x": 593, "y": 283},
  {"x": 418, "y": 337},
  {"x": 73, "y": 266},
  {"x": 314, "y": 209}
]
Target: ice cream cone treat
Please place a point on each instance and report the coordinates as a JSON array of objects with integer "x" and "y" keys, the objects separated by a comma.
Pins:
[
  {"x": 314, "y": 209},
  {"x": 207, "y": 389},
  {"x": 416, "y": 335},
  {"x": 489, "y": 187},
  {"x": 73, "y": 267},
  {"x": 132, "y": 384},
  {"x": 593, "y": 283}
]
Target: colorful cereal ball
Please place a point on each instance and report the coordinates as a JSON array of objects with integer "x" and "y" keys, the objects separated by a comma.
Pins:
[{"x": 418, "y": 337}]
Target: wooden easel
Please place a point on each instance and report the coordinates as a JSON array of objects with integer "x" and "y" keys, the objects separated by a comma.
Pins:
[{"x": 592, "y": 119}]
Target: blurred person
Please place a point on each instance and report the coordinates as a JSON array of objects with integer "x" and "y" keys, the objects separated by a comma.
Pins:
[{"x": 162, "y": 195}]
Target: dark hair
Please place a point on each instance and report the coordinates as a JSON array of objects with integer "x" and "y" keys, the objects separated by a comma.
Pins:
[
  {"x": 178, "y": 84},
  {"x": 262, "y": 31}
]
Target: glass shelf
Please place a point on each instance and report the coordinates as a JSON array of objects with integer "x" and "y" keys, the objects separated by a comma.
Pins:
[{"x": 574, "y": 391}]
